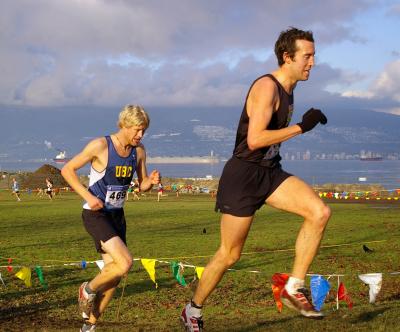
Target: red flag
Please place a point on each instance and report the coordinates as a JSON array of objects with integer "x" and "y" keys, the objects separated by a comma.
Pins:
[
  {"x": 9, "y": 267},
  {"x": 344, "y": 296},
  {"x": 278, "y": 282}
]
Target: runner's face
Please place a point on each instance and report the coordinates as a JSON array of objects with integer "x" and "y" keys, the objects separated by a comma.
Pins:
[
  {"x": 135, "y": 134},
  {"x": 303, "y": 59}
]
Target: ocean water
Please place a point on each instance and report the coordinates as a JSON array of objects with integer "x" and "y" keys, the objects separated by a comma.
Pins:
[{"x": 385, "y": 172}]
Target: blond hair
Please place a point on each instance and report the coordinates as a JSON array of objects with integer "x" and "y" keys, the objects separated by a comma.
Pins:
[{"x": 133, "y": 115}]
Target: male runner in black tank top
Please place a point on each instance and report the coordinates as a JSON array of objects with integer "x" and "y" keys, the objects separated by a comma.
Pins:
[{"x": 254, "y": 177}]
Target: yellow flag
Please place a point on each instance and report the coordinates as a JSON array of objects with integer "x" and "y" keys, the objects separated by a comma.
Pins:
[
  {"x": 149, "y": 265},
  {"x": 25, "y": 275},
  {"x": 199, "y": 271}
]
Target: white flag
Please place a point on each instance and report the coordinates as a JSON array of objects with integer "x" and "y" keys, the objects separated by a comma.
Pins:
[
  {"x": 100, "y": 264},
  {"x": 374, "y": 281}
]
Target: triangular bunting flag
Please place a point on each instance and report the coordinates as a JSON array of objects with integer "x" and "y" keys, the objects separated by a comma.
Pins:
[
  {"x": 276, "y": 291},
  {"x": 177, "y": 271},
  {"x": 2, "y": 281},
  {"x": 278, "y": 282},
  {"x": 100, "y": 264},
  {"x": 374, "y": 280},
  {"x": 319, "y": 290},
  {"x": 344, "y": 296},
  {"x": 25, "y": 275},
  {"x": 199, "y": 271},
  {"x": 149, "y": 265},
  {"x": 39, "y": 273}
]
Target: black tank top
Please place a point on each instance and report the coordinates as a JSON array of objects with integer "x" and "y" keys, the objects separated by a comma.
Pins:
[{"x": 269, "y": 155}]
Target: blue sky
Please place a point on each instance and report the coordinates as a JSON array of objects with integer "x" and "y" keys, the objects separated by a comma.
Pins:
[
  {"x": 192, "y": 53},
  {"x": 379, "y": 25}
]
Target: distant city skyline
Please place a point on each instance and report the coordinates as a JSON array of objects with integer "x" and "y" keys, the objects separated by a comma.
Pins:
[{"x": 309, "y": 155}]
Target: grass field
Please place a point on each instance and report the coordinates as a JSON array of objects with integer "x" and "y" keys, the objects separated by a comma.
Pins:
[{"x": 37, "y": 231}]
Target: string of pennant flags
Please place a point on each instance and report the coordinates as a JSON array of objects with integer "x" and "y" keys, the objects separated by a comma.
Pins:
[
  {"x": 387, "y": 194},
  {"x": 319, "y": 283}
]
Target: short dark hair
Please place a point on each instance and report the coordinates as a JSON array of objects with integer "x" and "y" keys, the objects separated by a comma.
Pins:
[{"x": 287, "y": 42}]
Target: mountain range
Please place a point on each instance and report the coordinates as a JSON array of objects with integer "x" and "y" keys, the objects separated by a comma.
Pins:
[{"x": 32, "y": 133}]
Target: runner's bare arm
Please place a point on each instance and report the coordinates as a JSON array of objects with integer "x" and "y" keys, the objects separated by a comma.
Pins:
[
  {"x": 261, "y": 103},
  {"x": 90, "y": 153},
  {"x": 146, "y": 182}
]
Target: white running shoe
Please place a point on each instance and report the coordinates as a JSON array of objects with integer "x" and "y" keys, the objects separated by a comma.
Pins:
[{"x": 191, "y": 323}]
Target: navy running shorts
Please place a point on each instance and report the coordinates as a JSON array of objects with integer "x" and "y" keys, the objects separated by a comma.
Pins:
[
  {"x": 103, "y": 225},
  {"x": 244, "y": 186}
]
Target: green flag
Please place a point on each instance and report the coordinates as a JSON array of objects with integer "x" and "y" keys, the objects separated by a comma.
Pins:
[
  {"x": 39, "y": 272},
  {"x": 177, "y": 272}
]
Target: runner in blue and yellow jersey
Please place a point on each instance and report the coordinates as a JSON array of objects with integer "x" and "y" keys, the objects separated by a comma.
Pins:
[{"x": 114, "y": 159}]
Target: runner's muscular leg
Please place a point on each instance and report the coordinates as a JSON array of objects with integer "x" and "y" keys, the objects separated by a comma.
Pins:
[
  {"x": 103, "y": 297},
  {"x": 119, "y": 265},
  {"x": 234, "y": 232},
  {"x": 295, "y": 196}
]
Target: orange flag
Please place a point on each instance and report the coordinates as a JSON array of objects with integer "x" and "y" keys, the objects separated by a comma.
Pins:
[{"x": 278, "y": 282}]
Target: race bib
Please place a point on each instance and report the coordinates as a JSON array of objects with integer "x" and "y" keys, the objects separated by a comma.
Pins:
[{"x": 115, "y": 197}]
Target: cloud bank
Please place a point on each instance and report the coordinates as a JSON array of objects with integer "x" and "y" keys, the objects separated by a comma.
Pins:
[{"x": 167, "y": 53}]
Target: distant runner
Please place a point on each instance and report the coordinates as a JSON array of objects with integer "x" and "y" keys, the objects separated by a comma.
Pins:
[
  {"x": 160, "y": 191},
  {"x": 49, "y": 189},
  {"x": 15, "y": 189}
]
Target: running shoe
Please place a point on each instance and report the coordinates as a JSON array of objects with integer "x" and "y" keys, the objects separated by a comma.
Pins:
[
  {"x": 85, "y": 301},
  {"x": 299, "y": 301},
  {"x": 191, "y": 323},
  {"x": 87, "y": 327}
]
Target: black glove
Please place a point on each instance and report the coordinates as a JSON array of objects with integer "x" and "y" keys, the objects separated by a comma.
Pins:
[{"x": 311, "y": 118}]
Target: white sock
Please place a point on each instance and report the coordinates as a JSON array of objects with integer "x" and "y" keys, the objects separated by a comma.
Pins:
[
  {"x": 293, "y": 284},
  {"x": 195, "y": 312}
]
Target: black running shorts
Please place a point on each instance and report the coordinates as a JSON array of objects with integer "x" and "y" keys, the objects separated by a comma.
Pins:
[
  {"x": 244, "y": 186},
  {"x": 103, "y": 225}
]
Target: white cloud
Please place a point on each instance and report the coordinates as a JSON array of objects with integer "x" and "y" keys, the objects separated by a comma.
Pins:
[
  {"x": 391, "y": 110},
  {"x": 358, "y": 94},
  {"x": 103, "y": 52},
  {"x": 388, "y": 82},
  {"x": 48, "y": 144},
  {"x": 385, "y": 86}
]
